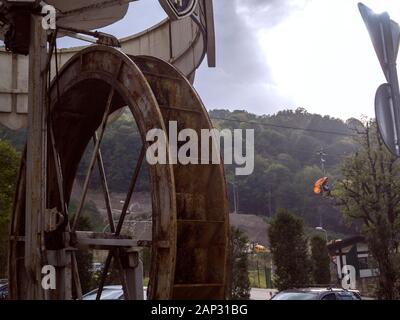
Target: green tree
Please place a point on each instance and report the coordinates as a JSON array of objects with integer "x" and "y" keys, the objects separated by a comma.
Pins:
[
  {"x": 320, "y": 261},
  {"x": 9, "y": 164},
  {"x": 369, "y": 195},
  {"x": 240, "y": 283},
  {"x": 281, "y": 153},
  {"x": 287, "y": 165},
  {"x": 289, "y": 250}
]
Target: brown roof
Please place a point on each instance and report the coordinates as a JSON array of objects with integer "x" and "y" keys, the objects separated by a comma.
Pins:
[{"x": 342, "y": 243}]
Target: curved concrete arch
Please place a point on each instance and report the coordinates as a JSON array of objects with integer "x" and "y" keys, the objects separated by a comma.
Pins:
[{"x": 184, "y": 43}]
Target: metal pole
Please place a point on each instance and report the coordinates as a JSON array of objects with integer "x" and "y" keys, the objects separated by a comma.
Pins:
[
  {"x": 323, "y": 230},
  {"x": 267, "y": 282},
  {"x": 320, "y": 218},
  {"x": 237, "y": 199},
  {"x": 269, "y": 202},
  {"x": 234, "y": 197},
  {"x": 36, "y": 159},
  {"x": 322, "y": 155}
]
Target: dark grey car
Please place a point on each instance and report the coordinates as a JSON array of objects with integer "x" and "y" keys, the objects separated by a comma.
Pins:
[{"x": 317, "y": 294}]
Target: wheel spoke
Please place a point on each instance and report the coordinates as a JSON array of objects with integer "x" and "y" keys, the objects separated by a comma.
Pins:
[
  {"x": 64, "y": 208},
  {"x": 130, "y": 191},
  {"x": 123, "y": 279},
  {"x": 104, "y": 275},
  {"x": 75, "y": 274},
  {"x": 104, "y": 183},
  {"x": 93, "y": 159},
  {"x": 60, "y": 180},
  {"x": 121, "y": 220}
]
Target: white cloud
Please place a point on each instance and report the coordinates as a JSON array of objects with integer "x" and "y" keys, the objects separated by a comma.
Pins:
[
  {"x": 309, "y": 53},
  {"x": 323, "y": 59},
  {"x": 278, "y": 54}
]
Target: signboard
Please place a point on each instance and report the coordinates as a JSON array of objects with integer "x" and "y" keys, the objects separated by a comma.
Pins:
[
  {"x": 179, "y": 9},
  {"x": 386, "y": 119},
  {"x": 385, "y": 36}
]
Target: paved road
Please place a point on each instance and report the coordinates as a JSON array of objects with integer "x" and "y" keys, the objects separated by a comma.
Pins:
[{"x": 261, "y": 294}]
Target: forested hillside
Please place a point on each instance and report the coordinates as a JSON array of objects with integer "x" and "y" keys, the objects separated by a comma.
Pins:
[{"x": 286, "y": 164}]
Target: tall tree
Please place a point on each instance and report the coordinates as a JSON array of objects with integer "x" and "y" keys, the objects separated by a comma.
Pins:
[
  {"x": 289, "y": 250},
  {"x": 369, "y": 194},
  {"x": 320, "y": 261},
  {"x": 9, "y": 163},
  {"x": 240, "y": 283}
]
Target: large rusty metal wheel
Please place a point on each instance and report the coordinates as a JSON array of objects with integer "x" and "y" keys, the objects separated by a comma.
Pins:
[{"x": 189, "y": 202}]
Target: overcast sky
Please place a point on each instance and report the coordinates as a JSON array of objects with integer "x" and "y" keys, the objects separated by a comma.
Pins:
[{"x": 280, "y": 54}]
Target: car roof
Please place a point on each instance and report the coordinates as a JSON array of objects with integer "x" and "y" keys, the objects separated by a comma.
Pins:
[
  {"x": 114, "y": 287},
  {"x": 318, "y": 290}
]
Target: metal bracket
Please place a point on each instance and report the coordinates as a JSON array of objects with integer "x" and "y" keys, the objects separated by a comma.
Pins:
[
  {"x": 54, "y": 219},
  {"x": 102, "y": 38}
]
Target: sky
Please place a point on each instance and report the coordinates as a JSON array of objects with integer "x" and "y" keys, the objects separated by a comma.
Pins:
[
  {"x": 279, "y": 54},
  {"x": 283, "y": 54}
]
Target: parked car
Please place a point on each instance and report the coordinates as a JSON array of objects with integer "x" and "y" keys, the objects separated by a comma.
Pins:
[
  {"x": 3, "y": 289},
  {"x": 318, "y": 294},
  {"x": 110, "y": 293},
  {"x": 97, "y": 267}
]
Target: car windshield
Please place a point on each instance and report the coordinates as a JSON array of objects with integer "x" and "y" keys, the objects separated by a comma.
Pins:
[
  {"x": 347, "y": 296},
  {"x": 296, "y": 296},
  {"x": 107, "y": 294}
]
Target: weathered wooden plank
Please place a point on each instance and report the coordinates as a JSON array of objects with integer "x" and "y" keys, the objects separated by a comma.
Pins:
[{"x": 36, "y": 160}]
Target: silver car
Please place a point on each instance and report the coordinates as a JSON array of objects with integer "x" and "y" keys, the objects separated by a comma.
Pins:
[
  {"x": 110, "y": 293},
  {"x": 318, "y": 294}
]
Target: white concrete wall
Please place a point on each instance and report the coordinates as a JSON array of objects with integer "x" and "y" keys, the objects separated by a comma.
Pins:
[{"x": 179, "y": 42}]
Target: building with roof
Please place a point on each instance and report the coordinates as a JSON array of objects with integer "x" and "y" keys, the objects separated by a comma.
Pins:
[{"x": 354, "y": 252}]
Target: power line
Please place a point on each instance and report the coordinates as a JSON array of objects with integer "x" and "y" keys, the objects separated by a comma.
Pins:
[{"x": 287, "y": 127}]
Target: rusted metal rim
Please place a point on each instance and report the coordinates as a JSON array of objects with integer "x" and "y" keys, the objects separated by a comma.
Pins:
[
  {"x": 202, "y": 208},
  {"x": 190, "y": 214}
]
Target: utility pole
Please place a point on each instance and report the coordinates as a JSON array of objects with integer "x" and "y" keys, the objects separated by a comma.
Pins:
[
  {"x": 237, "y": 199},
  {"x": 322, "y": 155},
  {"x": 235, "y": 196},
  {"x": 269, "y": 202}
]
